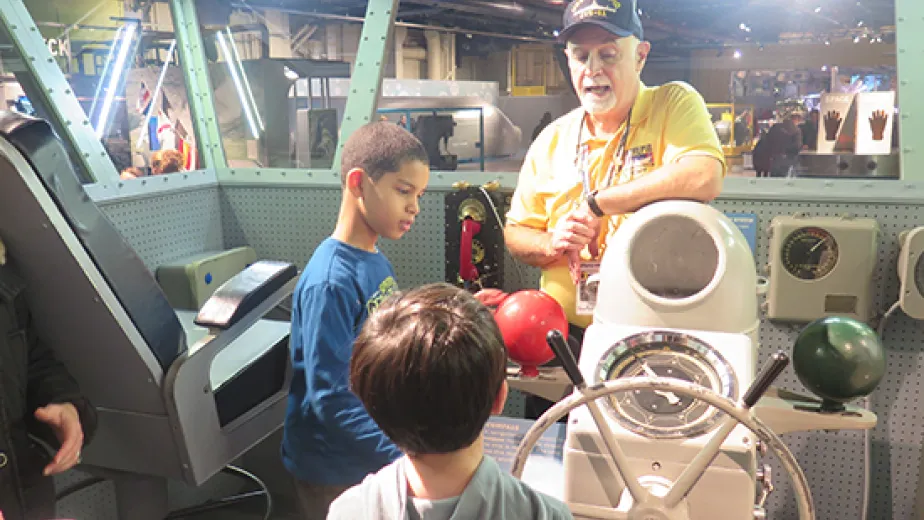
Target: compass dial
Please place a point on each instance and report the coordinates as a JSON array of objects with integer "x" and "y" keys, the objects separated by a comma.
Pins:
[
  {"x": 664, "y": 415},
  {"x": 809, "y": 253}
]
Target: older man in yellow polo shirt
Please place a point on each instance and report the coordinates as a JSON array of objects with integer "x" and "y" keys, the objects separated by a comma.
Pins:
[{"x": 627, "y": 145}]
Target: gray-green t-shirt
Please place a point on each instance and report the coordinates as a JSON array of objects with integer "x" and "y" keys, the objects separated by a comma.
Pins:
[{"x": 491, "y": 493}]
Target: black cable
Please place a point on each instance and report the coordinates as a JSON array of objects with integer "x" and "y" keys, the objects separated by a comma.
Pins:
[
  {"x": 224, "y": 502},
  {"x": 500, "y": 222},
  {"x": 250, "y": 476}
]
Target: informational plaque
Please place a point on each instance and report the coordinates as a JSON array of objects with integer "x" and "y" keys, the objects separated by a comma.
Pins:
[
  {"x": 875, "y": 121},
  {"x": 747, "y": 223},
  {"x": 834, "y": 130},
  {"x": 544, "y": 469}
]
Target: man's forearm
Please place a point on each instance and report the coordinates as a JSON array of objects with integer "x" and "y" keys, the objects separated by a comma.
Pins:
[
  {"x": 695, "y": 178},
  {"x": 530, "y": 246}
]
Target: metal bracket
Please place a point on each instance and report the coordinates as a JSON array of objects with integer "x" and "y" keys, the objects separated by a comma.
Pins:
[
  {"x": 198, "y": 83},
  {"x": 366, "y": 84}
]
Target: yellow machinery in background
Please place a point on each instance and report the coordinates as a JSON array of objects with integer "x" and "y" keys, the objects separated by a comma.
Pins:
[
  {"x": 535, "y": 72},
  {"x": 734, "y": 124}
]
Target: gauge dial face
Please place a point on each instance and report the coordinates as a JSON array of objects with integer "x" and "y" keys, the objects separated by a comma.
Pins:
[
  {"x": 809, "y": 253},
  {"x": 664, "y": 415}
]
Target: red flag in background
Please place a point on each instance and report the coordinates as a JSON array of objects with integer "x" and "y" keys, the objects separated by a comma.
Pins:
[{"x": 144, "y": 99}]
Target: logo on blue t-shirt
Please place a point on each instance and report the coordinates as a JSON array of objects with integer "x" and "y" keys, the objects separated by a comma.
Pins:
[{"x": 386, "y": 289}]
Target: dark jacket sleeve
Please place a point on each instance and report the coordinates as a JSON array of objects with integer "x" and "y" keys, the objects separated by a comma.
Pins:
[{"x": 48, "y": 381}]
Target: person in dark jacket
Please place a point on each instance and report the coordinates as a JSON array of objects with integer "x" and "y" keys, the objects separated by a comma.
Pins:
[
  {"x": 810, "y": 131},
  {"x": 45, "y": 421},
  {"x": 777, "y": 153}
]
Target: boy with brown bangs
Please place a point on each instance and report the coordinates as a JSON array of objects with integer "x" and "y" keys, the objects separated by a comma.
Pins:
[{"x": 430, "y": 367}]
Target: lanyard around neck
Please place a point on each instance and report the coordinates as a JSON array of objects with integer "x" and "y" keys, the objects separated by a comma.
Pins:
[{"x": 581, "y": 153}]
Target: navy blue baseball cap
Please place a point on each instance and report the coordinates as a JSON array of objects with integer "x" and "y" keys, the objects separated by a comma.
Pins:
[{"x": 619, "y": 17}]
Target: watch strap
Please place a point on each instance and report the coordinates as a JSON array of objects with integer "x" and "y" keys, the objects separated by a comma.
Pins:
[{"x": 592, "y": 204}]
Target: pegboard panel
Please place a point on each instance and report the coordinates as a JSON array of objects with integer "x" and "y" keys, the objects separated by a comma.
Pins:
[
  {"x": 833, "y": 461},
  {"x": 418, "y": 257},
  {"x": 288, "y": 224},
  {"x": 165, "y": 227},
  {"x": 517, "y": 275},
  {"x": 515, "y": 405},
  {"x": 279, "y": 223}
]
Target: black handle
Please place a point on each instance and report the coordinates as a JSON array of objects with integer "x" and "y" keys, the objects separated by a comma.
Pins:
[
  {"x": 767, "y": 376},
  {"x": 559, "y": 345}
]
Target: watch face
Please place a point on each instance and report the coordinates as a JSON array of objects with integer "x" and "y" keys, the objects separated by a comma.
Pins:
[
  {"x": 809, "y": 253},
  {"x": 664, "y": 415}
]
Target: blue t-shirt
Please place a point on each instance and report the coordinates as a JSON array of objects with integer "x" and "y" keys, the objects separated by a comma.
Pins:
[{"x": 328, "y": 437}]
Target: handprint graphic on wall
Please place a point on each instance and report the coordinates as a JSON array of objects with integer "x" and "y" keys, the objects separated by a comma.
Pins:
[
  {"x": 877, "y": 123},
  {"x": 832, "y": 124}
]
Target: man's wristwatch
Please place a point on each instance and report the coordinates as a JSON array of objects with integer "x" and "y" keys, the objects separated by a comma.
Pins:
[{"x": 592, "y": 204}]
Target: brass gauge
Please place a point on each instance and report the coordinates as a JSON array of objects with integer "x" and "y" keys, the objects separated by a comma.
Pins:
[{"x": 477, "y": 252}]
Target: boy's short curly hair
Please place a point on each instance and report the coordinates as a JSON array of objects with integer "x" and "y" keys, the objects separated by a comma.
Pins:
[
  {"x": 379, "y": 148},
  {"x": 428, "y": 366}
]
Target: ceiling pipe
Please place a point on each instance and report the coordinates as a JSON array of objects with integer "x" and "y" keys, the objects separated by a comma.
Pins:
[
  {"x": 425, "y": 11},
  {"x": 675, "y": 30},
  {"x": 512, "y": 10},
  {"x": 359, "y": 20},
  {"x": 548, "y": 16},
  {"x": 509, "y": 10},
  {"x": 692, "y": 35}
]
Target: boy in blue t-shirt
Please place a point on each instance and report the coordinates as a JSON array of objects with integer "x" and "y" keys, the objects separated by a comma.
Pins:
[{"x": 329, "y": 441}]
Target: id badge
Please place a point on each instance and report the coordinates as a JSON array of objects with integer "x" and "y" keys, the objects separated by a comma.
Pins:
[{"x": 587, "y": 288}]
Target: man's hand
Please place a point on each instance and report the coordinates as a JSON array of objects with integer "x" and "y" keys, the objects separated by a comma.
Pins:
[
  {"x": 491, "y": 297},
  {"x": 583, "y": 219},
  {"x": 575, "y": 232},
  {"x": 65, "y": 422}
]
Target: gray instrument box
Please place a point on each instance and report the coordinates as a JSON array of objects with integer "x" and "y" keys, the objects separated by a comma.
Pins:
[{"x": 821, "y": 266}]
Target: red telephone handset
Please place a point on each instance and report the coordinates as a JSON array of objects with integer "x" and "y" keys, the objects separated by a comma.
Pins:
[{"x": 467, "y": 270}]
